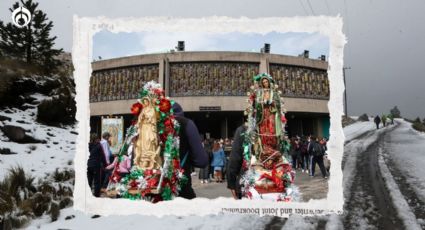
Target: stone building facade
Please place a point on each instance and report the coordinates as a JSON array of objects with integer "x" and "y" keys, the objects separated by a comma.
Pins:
[{"x": 212, "y": 86}]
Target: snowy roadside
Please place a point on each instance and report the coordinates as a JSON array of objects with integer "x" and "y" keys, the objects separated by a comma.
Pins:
[
  {"x": 357, "y": 129},
  {"x": 72, "y": 219},
  {"x": 355, "y": 146},
  {"x": 407, "y": 150},
  {"x": 399, "y": 201}
]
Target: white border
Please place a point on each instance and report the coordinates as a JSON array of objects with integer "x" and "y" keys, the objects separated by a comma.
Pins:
[{"x": 85, "y": 28}]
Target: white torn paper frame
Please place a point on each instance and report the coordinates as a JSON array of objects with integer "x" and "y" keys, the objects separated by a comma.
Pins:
[{"x": 82, "y": 54}]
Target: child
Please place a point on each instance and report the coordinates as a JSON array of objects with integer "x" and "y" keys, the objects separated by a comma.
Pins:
[
  {"x": 218, "y": 162},
  {"x": 123, "y": 167}
]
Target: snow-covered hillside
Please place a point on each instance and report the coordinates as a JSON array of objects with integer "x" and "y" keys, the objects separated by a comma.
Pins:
[{"x": 39, "y": 159}]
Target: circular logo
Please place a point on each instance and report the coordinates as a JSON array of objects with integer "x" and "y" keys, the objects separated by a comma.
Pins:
[{"x": 21, "y": 16}]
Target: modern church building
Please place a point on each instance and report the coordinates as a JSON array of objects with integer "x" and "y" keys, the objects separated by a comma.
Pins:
[{"x": 211, "y": 87}]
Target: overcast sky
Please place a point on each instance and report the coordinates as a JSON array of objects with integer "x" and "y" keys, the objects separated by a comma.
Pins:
[{"x": 385, "y": 38}]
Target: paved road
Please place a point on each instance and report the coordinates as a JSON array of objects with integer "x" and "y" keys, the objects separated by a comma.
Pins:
[{"x": 310, "y": 187}]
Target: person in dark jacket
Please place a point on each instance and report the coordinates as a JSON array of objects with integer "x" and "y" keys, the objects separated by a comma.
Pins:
[
  {"x": 192, "y": 153},
  {"x": 95, "y": 164},
  {"x": 204, "y": 173},
  {"x": 294, "y": 152},
  {"x": 317, "y": 151},
  {"x": 304, "y": 155},
  {"x": 377, "y": 120},
  {"x": 235, "y": 163}
]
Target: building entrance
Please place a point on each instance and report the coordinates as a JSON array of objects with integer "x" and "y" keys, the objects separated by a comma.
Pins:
[{"x": 216, "y": 124}]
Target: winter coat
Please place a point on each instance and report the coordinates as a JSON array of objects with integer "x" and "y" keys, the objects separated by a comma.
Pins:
[
  {"x": 219, "y": 158},
  {"x": 96, "y": 157},
  {"x": 236, "y": 159},
  {"x": 191, "y": 150},
  {"x": 377, "y": 120}
]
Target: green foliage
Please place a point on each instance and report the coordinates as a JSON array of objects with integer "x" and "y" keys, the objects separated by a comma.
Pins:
[
  {"x": 395, "y": 112},
  {"x": 33, "y": 43},
  {"x": 418, "y": 125},
  {"x": 59, "y": 110},
  {"x": 60, "y": 176},
  {"x": 21, "y": 200}
]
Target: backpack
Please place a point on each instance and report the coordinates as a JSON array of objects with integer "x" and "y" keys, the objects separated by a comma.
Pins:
[{"x": 317, "y": 150}]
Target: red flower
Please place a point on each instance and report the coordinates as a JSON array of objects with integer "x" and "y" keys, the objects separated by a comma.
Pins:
[
  {"x": 164, "y": 105},
  {"x": 168, "y": 123},
  {"x": 283, "y": 119},
  {"x": 252, "y": 97},
  {"x": 176, "y": 164},
  {"x": 133, "y": 184},
  {"x": 152, "y": 182},
  {"x": 136, "y": 108}
]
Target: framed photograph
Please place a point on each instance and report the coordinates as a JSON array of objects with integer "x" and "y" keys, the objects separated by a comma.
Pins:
[{"x": 263, "y": 145}]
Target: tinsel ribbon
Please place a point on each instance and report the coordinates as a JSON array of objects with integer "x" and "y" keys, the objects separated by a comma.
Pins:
[
  {"x": 143, "y": 93},
  {"x": 166, "y": 193},
  {"x": 132, "y": 197},
  {"x": 275, "y": 178}
]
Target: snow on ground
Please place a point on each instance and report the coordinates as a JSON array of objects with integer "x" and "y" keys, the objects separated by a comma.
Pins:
[
  {"x": 298, "y": 222},
  {"x": 38, "y": 159},
  {"x": 400, "y": 204},
  {"x": 357, "y": 129},
  {"x": 41, "y": 162},
  {"x": 114, "y": 222},
  {"x": 355, "y": 147},
  {"x": 407, "y": 150}
]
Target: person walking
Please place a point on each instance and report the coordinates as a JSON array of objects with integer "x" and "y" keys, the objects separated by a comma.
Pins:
[
  {"x": 384, "y": 120},
  {"x": 377, "y": 120},
  {"x": 391, "y": 117},
  {"x": 304, "y": 155},
  {"x": 204, "y": 172},
  {"x": 235, "y": 163},
  {"x": 294, "y": 152},
  {"x": 95, "y": 165},
  {"x": 192, "y": 154},
  {"x": 105, "y": 143},
  {"x": 218, "y": 162},
  {"x": 317, "y": 151}
]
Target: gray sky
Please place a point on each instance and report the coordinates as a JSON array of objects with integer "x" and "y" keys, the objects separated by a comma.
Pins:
[{"x": 385, "y": 38}]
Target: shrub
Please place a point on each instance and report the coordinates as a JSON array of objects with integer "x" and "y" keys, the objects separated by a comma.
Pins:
[
  {"x": 54, "y": 112},
  {"x": 54, "y": 211},
  {"x": 363, "y": 117},
  {"x": 19, "y": 184},
  {"x": 418, "y": 125},
  {"x": 65, "y": 175},
  {"x": 15, "y": 188}
]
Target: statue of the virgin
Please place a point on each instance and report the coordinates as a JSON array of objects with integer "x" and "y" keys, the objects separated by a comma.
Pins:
[{"x": 147, "y": 152}]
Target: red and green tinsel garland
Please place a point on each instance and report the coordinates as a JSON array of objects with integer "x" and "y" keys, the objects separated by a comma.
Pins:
[{"x": 167, "y": 181}]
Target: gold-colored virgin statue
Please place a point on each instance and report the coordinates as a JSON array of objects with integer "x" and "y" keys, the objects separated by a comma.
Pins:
[{"x": 147, "y": 152}]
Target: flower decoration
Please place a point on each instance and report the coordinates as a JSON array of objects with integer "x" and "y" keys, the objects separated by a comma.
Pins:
[
  {"x": 136, "y": 108},
  {"x": 164, "y": 105}
]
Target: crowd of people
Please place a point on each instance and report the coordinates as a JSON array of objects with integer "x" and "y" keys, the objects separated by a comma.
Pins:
[
  {"x": 218, "y": 151},
  {"x": 306, "y": 152}
]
